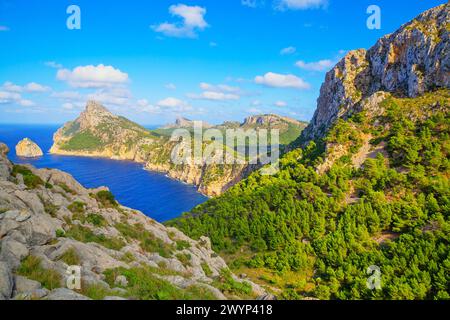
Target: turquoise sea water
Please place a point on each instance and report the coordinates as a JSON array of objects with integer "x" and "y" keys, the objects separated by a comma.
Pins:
[{"x": 156, "y": 195}]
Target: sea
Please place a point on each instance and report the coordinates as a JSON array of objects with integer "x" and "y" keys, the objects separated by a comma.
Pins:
[{"x": 155, "y": 194}]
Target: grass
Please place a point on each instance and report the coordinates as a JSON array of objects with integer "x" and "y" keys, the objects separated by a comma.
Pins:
[
  {"x": 144, "y": 285},
  {"x": 31, "y": 180},
  {"x": 97, "y": 291},
  {"x": 147, "y": 240},
  {"x": 86, "y": 235},
  {"x": 70, "y": 257},
  {"x": 64, "y": 186},
  {"x": 31, "y": 268},
  {"x": 227, "y": 284},
  {"x": 77, "y": 207},
  {"x": 182, "y": 244},
  {"x": 184, "y": 258},
  {"x": 206, "y": 269}
]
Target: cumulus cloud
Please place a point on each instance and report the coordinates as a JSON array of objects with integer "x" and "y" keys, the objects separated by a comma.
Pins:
[
  {"x": 220, "y": 92},
  {"x": 113, "y": 96},
  {"x": 322, "y": 65},
  {"x": 288, "y": 51},
  {"x": 300, "y": 4},
  {"x": 193, "y": 20},
  {"x": 174, "y": 104},
  {"x": 276, "y": 80},
  {"x": 7, "y": 97},
  {"x": 90, "y": 76}
]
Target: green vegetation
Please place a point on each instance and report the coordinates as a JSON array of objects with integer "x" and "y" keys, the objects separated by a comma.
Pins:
[
  {"x": 107, "y": 199},
  {"x": 143, "y": 285},
  {"x": 229, "y": 286},
  {"x": 329, "y": 227},
  {"x": 77, "y": 207},
  {"x": 31, "y": 268},
  {"x": 70, "y": 257},
  {"x": 147, "y": 240},
  {"x": 86, "y": 235},
  {"x": 206, "y": 269},
  {"x": 31, "y": 180},
  {"x": 83, "y": 141},
  {"x": 182, "y": 244}
]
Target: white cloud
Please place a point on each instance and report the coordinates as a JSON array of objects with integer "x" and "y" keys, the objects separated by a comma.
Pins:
[
  {"x": 218, "y": 88},
  {"x": 281, "y": 104},
  {"x": 142, "y": 102},
  {"x": 300, "y": 4},
  {"x": 113, "y": 96},
  {"x": 53, "y": 64},
  {"x": 252, "y": 3},
  {"x": 11, "y": 87},
  {"x": 220, "y": 92},
  {"x": 193, "y": 20},
  {"x": 90, "y": 76},
  {"x": 215, "y": 96},
  {"x": 4, "y": 28},
  {"x": 30, "y": 87},
  {"x": 170, "y": 86},
  {"x": 14, "y": 98},
  {"x": 322, "y": 65},
  {"x": 36, "y": 87},
  {"x": 288, "y": 51},
  {"x": 174, "y": 104},
  {"x": 276, "y": 80}
]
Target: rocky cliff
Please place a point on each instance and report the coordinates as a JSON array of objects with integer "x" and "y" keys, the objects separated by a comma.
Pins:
[
  {"x": 413, "y": 60},
  {"x": 98, "y": 132},
  {"x": 28, "y": 149},
  {"x": 48, "y": 222}
]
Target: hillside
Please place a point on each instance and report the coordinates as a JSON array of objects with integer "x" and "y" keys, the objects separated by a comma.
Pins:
[
  {"x": 368, "y": 187},
  {"x": 99, "y": 133},
  {"x": 49, "y": 222}
]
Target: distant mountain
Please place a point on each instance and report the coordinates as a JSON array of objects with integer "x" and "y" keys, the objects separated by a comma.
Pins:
[
  {"x": 366, "y": 196},
  {"x": 99, "y": 133}
]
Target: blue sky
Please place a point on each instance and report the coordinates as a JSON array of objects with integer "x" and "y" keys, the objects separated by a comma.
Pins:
[{"x": 155, "y": 60}]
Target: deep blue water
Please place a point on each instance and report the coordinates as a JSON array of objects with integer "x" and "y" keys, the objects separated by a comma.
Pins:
[{"x": 156, "y": 195}]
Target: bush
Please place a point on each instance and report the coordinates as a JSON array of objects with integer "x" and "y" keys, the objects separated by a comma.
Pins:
[
  {"x": 77, "y": 207},
  {"x": 31, "y": 180},
  {"x": 86, "y": 235},
  {"x": 107, "y": 199},
  {"x": 70, "y": 257},
  {"x": 31, "y": 268},
  {"x": 206, "y": 269}
]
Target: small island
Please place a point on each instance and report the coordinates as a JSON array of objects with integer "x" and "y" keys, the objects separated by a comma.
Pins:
[{"x": 28, "y": 149}]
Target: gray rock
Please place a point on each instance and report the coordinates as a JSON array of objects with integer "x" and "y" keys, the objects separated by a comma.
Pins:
[
  {"x": 6, "y": 281},
  {"x": 13, "y": 252},
  {"x": 65, "y": 294},
  {"x": 114, "y": 298},
  {"x": 23, "y": 285}
]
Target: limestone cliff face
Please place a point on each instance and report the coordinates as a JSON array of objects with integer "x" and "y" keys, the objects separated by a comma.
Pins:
[
  {"x": 407, "y": 63},
  {"x": 55, "y": 222},
  {"x": 28, "y": 149}
]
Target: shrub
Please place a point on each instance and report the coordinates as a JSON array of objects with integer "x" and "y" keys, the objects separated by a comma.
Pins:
[
  {"x": 31, "y": 180},
  {"x": 86, "y": 235},
  {"x": 107, "y": 199},
  {"x": 70, "y": 257},
  {"x": 206, "y": 269},
  {"x": 183, "y": 244},
  {"x": 31, "y": 268},
  {"x": 185, "y": 258},
  {"x": 77, "y": 207},
  {"x": 97, "y": 220}
]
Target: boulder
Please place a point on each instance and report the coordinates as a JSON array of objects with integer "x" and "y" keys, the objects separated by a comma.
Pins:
[
  {"x": 28, "y": 149},
  {"x": 63, "y": 294},
  {"x": 6, "y": 281}
]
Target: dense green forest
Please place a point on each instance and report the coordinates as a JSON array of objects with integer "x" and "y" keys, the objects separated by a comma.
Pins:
[{"x": 330, "y": 225}]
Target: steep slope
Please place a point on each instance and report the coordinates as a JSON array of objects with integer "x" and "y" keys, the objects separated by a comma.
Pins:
[
  {"x": 97, "y": 132},
  {"x": 369, "y": 187},
  {"x": 49, "y": 222}
]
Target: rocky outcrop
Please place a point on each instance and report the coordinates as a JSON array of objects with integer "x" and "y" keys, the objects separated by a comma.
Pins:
[
  {"x": 181, "y": 122},
  {"x": 28, "y": 149},
  {"x": 59, "y": 223},
  {"x": 407, "y": 63}
]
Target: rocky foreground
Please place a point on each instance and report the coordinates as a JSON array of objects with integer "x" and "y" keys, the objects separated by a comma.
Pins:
[{"x": 48, "y": 222}]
